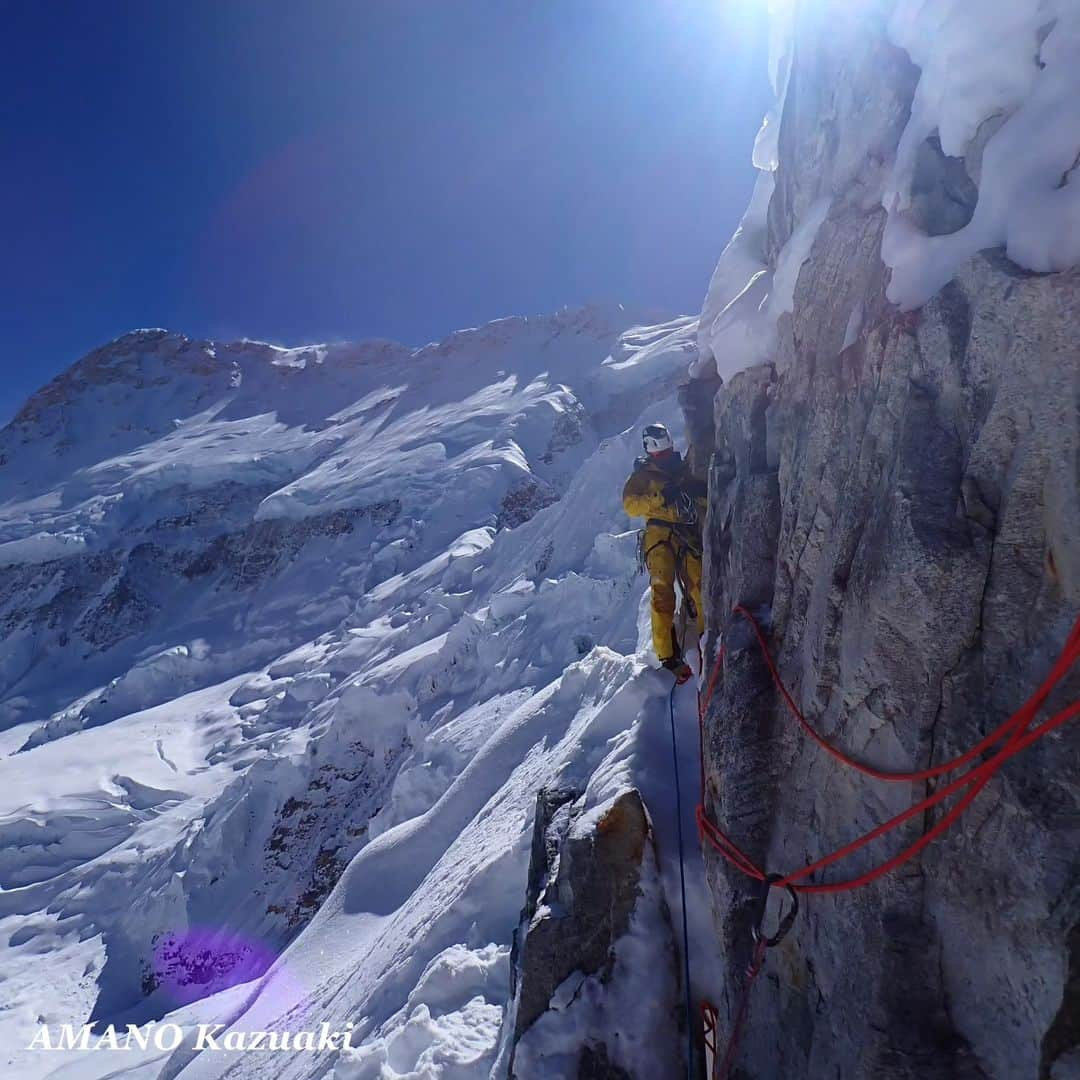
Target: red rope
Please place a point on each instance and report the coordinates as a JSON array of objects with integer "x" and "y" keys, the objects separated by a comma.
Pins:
[
  {"x": 757, "y": 962},
  {"x": 709, "y": 1023},
  {"x": 1015, "y": 729},
  {"x": 726, "y": 846},
  {"x": 995, "y": 736},
  {"x": 977, "y": 780}
]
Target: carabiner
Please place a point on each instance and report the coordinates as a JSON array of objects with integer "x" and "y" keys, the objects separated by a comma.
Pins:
[{"x": 786, "y": 923}]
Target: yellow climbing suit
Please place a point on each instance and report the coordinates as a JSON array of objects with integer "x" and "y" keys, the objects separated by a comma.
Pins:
[{"x": 671, "y": 547}]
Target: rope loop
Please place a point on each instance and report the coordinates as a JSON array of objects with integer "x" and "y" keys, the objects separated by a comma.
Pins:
[{"x": 1016, "y": 733}]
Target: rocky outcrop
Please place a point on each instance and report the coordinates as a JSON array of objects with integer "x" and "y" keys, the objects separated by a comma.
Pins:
[
  {"x": 523, "y": 502},
  {"x": 695, "y": 399},
  {"x": 897, "y": 497},
  {"x": 593, "y": 901},
  {"x": 213, "y": 556}
]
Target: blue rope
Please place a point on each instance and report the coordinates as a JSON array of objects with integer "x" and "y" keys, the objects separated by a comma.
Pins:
[{"x": 682, "y": 892}]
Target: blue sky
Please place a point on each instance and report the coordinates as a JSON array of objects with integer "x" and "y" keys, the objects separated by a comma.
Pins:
[{"x": 340, "y": 169}]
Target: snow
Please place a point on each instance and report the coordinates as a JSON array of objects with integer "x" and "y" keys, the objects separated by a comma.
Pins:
[
  {"x": 995, "y": 75},
  {"x": 301, "y": 792},
  {"x": 265, "y": 417},
  {"x": 854, "y": 325},
  {"x": 766, "y": 153},
  {"x": 1011, "y": 62},
  {"x": 792, "y": 256},
  {"x": 746, "y": 295},
  {"x": 751, "y": 287},
  {"x": 782, "y": 15},
  {"x": 441, "y": 1031},
  {"x": 733, "y": 304},
  {"x": 377, "y": 713}
]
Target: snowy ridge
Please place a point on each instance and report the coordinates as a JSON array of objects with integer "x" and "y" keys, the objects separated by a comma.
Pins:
[
  {"x": 157, "y": 411},
  {"x": 394, "y": 594}
]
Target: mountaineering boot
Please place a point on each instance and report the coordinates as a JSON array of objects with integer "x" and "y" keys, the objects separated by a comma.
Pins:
[{"x": 680, "y": 669}]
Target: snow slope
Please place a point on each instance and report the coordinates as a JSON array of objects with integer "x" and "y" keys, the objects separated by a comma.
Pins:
[{"x": 292, "y": 638}]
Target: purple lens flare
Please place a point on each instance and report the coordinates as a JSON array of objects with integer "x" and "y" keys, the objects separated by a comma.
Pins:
[{"x": 199, "y": 961}]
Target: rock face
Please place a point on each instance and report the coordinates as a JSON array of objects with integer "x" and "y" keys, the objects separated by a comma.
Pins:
[
  {"x": 591, "y": 878},
  {"x": 897, "y": 497}
]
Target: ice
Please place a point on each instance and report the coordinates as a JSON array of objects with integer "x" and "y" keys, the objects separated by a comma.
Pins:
[
  {"x": 302, "y": 790},
  {"x": 792, "y": 256},
  {"x": 999, "y": 75},
  {"x": 746, "y": 296},
  {"x": 742, "y": 264},
  {"x": 854, "y": 325},
  {"x": 782, "y": 15},
  {"x": 749, "y": 291},
  {"x": 1005, "y": 61},
  {"x": 766, "y": 154}
]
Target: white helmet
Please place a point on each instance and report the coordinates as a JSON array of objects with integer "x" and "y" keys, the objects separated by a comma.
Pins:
[{"x": 655, "y": 439}]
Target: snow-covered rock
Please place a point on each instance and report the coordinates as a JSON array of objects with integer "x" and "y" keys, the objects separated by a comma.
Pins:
[{"x": 594, "y": 922}]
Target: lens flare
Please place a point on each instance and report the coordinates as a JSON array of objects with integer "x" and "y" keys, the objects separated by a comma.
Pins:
[{"x": 200, "y": 961}]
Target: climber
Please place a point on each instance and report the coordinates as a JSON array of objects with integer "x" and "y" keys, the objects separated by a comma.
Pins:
[{"x": 662, "y": 490}]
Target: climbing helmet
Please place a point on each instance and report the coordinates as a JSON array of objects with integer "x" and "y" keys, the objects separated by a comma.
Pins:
[{"x": 655, "y": 439}]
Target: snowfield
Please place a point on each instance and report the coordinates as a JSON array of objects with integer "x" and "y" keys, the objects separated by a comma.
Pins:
[{"x": 292, "y": 640}]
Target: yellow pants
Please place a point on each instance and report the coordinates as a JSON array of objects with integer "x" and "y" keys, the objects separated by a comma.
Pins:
[{"x": 665, "y": 557}]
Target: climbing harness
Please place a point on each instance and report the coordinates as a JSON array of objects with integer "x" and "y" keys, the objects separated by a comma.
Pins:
[
  {"x": 687, "y": 543},
  {"x": 1016, "y": 732},
  {"x": 682, "y": 887}
]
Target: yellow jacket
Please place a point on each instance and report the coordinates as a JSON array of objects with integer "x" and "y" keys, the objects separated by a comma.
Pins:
[
  {"x": 643, "y": 495},
  {"x": 670, "y": 545}
]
